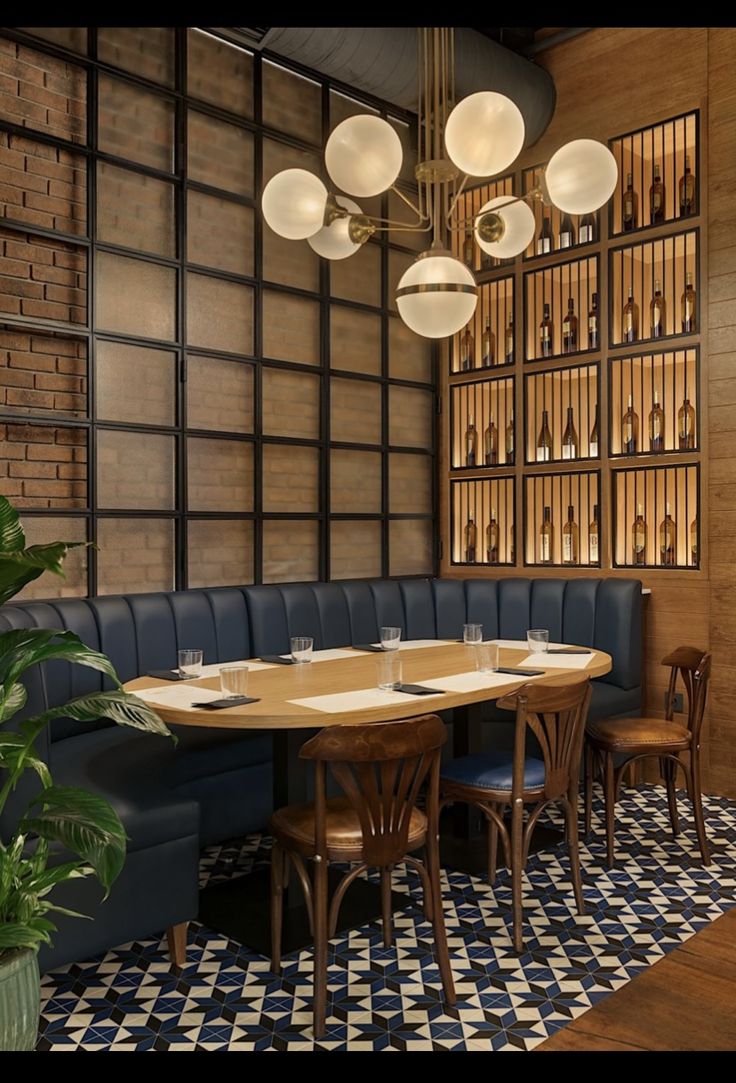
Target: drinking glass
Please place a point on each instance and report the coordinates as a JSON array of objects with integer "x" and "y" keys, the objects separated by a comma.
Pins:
[
  {"x": 472, "y": 634},
  {"x": 390, "y": 638},
  {"x": 486, "y": 657},
  {"x": 537, "y": 640},
  {"x": 234, "y": 681},
  {"x": 301, "y": 648},
  {"x": 190, "y": 664},
  {"x": 389, "y": 672}
]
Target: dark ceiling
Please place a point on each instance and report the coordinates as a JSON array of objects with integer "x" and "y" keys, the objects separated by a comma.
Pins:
[{"x": 517, "y": 38}]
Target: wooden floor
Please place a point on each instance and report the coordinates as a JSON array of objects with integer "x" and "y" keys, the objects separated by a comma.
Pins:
[{"x": 686, "y": 1001}]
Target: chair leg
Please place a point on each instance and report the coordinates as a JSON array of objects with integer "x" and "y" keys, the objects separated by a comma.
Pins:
[
  {"x": 386, "y": 910},
  {"x": 320, "y": 946},
  {"x": 696, "y": 796},
  {"x": 517, "y": 871},
  {"x": 278, "y": 863},
  {"x": 588, "y": 790},
  {"x": 609, "y": 791},
  {"x": 571, "y": 813},
  {"x": 492, "y": 849},
  {"x": 438, "y": 920},
  {"x": 176, "y": 938},
  {"x": 668, "y": 770}
]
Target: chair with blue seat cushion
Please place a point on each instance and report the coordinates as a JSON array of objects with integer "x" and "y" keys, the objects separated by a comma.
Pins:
[{"x": 556, "y": 716}]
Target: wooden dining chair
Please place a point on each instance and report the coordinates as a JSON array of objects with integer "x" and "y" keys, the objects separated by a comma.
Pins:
[
  {"x": 380, "y": 769},
  {"x": 493, "y": 781},
  {"x": 632, "y": 739}
]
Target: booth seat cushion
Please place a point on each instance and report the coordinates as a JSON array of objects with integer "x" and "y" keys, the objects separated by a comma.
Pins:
[{"x": 492, "y": 771}]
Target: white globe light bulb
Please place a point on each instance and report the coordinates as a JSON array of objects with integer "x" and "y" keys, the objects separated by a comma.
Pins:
[
  {"x": 581, "y": 176},
  {"x": 518, "y": 222},
  {"x": 363, "y": 155},
  {"x": 437, "y": 295},
  {"x": 293, "y": 204},
  {"x": 333, "y": 241},
  {"x": 484, "y": 133}
]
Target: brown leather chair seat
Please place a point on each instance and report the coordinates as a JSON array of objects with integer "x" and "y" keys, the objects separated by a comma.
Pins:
[
  {"x": 295, "y": 825},
  {"x": 629, "y": 734}
]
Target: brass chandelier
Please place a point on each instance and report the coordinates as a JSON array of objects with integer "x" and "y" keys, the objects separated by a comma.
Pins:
[{"x": 480, "y": 136}]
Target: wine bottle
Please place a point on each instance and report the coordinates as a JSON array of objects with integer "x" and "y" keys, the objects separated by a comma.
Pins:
[
  {"x": 546, "y": 537},
  {"x": 686, "y": 426},
  {"x": 639, "y": 537},
  {"x": 509, "y": 343},
  {"x": 566, "y": 236},
  {"x": 570, "y": 437},
  {"x": 471, "y": 540},
  {"x": 630, "y": 206},
  {"x": 471, "y": 444},
  {"x": 630, "y": 429},
  {"x": 487, "y": 262},
  {"x": 570, "y": 538},
  {"x": 487, "y": 346},
  {"x": 593, "y": 538},
  {"x": 630, "y": 320},
  {"x": 512, "y": 555},
  {"x": 687, "y": 305},
  {"x": 594, "y": 439},
  {"x": 467, "y": 350},
  {"x": 694, "y": 541},
  {"x": 587, "y": 229},
  {"x": 594, "y": 336},
  {"x": 544, "y": 240},
  {"x": 469, "y": 251},
  {"x": 490, "y": 444},
  {"x": 687, "y": 190},
  {"x": 510, "y": 441},
  {"x": 544, "y": 440},
  {"x": 492, "y": 539},
  {"x": 656, "y": 198},
  {"x": 657, "y": 312},
  {"x": 668, "y": 539},
  {"x": 570, "y": 328},
  {"x": 656, "y": 426},
  {"x": 546, "y": 334}
]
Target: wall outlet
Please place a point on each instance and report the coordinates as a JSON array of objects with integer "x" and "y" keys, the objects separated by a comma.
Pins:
[{"x": 679, "y": 703}]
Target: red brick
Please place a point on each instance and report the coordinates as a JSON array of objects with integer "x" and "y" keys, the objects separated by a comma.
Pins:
[
  {"x": 73, "y": 470},
  {"x": 21, "y": 179},
  {"x": 40, "y": 201},
  {"x": 10, "y": 304},
  {"x": 12, "y": 488},
  {"x": 76, "y": 365},
  {"x": 45, "y": 310},
  {"x": 33, "y": 470},
  {"x": 71, "y": 436},
  {"x": 21, "y": 70},
  {"x": 65, "y": 258},
  {"x": 76, "y": 404},
  {"x": 78, "y": 315},
  {"x": 61, "y": 275},
  {"x": 13, "y": 195},
  {"x": 15, "y": 340},
  {"x": 66, "y": 295},
  {"x": 16, "y": 268},
  {"x": 40, "y": 400},
  {"x": 20, "y": 287},
  {"x": 24, "y": 251},
  {"x": 21, "y": 359},
  {"x": 15, "y": 378},
  {"x": 63, "y": 347},
  {"x": 55, "y": 382},
  {"x": 13, "y": 451},
  {"x": 38, "y": 218},
  {"x": 54, "y": 171},
  {"x": 35, "y": 434},
  {"x": 12, "y": 106},
  {"x": 42, "y": 95},
  {"x": 46, "y": 488},
  {"x": 45, "y": 453}
]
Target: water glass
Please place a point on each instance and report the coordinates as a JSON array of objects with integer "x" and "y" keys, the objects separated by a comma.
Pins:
[
  {"x": 537, "y": 640},
  {"x": 301, "y": 648},
  {"x": 234, "y": 681},
  {"x": 472, "y": 634},
  {"x": 389, "y": 672},
  {"x": 486, "y": 657},
  {"x": 390, "y": 638},
  {"x": 190, "y": 664}
]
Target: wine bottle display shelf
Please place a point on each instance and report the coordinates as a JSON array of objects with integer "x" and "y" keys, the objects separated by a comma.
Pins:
[
  {"x": 654, "y": 403},
  {"x": 661, "y": 162},
  {"x": 655, "y": 517},
  {"x": 464, "y": 245},
  {"x": 653, "y": 289},
  {"x": 553, "y": 327},
  {"x": 561, "y": 419},
  {"x": 482, "y": 419},
  {"x": 482, "y": 521},
  {"x": 559, "y": 232},
  {"x": 488, "y": 341},
  {"x": 562, "y": 520}
]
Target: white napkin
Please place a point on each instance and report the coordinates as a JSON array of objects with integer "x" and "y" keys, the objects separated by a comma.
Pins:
[
  {"x": 558, "y": 661},
  {"x": 363, "y": 699},
  {"x": 181, "y": 697}
]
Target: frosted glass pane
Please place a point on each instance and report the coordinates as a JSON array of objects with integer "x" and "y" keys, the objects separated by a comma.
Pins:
[
  {"x": 355, "y": 411},
  {"x": 219, "y": 233},
  {"x": 290, "y": 478},
  {"x": 411, "y": 417},
  {"x": 290, "y": 328},
  {"x": 135, "y": 470},
  {"x": 220, "y": 73},
  {"x": 219, "y": 314},
  {"x": 135, "y": 297},
  {"x": 410, "y": 484},
  {"x": 291, "y": 403},
  {"x": 398, "y": 263},
  {"x": 135, "y": 555},
  {"x": 290, "y": 551},
  {"x": 288, "y": 263},
  {"x": 135, "y": 124},
  {"x": 355, "y": 340},
  {"x": 358, "y": 278},
  {"x": 220, "y": 154},
  {"x": 135, "y": 211},
  {"x": 355, "y": 481},
  {"x": 219, "y": 475},
  {"x": 409, "y": 355},
  {"x": 220, "y": 552},
  {"x": 292, "y": 103},
  {"x": 410, "y": 547},
  {"x": 219, "y": 395},
  {"x": 355, "y": 550},
  {"x": 145, "y": 50},
  {"x": 135, "y": 383},
  {"x": 44, "y": 530}
]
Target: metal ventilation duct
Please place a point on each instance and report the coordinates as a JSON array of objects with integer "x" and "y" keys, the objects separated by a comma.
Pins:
[{"x": 382, "y": 61}]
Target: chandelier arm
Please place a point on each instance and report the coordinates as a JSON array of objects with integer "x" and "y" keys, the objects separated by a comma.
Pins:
[
  {"x": 417, "y": 210},
  {"x": 461, "y": 224},
  {"x": 459, "y": 191}
]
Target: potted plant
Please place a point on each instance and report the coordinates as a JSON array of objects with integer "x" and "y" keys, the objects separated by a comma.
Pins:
[{"x": 64, "y": 832}]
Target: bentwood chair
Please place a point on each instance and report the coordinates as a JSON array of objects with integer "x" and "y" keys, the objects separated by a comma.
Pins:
[
  {"x": 633, "y": 739},
  {"x": 380, "y": 769},
  {"x": 555, "y": 715}
]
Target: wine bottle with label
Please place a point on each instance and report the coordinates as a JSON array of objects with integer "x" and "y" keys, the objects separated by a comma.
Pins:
[
  {"x": 594, "y": 538},
  {"x": 657, "y": 312},
  {"x": 487, "y": 346},
  {"x": 471, "y": 444},
  {"x": 467, "y": 350},
  {"x": 570, "y": 447},
  {"x": 546, "y": 538},
  {"x": 544, "y": 440},
  {"x": 490, "y": 443},
  {"x": 668, "y": 539},
  {"x": 587, "y": 229},
  {"x": 546, "y": 334},
  {"x": 570, "y": 328},
  {"x": 630, "y": 429},
  {"x": 570, "y": 538},
  {"x": 687, "y": 306},
  {"x": 492, "y": 539},
  {"x": 657, "y": 202},
  {"x": 471, "y": 540},
  {"x": 656, "y": 425},
  {"x": 694, "y": 541},
  {"x": 509, "y": 343},
  {"x": 639, "y": 537},
  {"x": 594, "y": 438},
  {"x": 686, "y": 426},
  {"x": 629, "y": 206},
  {"x": 630, "y": 319},
  {"x": 510, "y": 441},
  {"x": 594, "y": 334},
  {"x": 544, "y": 240},
  {"x": 469, "y": 251},
  {"x": 566, "y": 236},
  {"x": 687, "y": 190}
]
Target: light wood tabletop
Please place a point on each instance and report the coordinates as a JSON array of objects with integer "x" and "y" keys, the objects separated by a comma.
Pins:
[{"x": 275, "y": 688}]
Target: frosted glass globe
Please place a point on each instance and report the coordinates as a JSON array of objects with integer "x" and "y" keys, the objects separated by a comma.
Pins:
[
  {"x": 581, "y": 176},
  {"x": 363, "y": 155},
  {"x": 519, "y": 226},
  {"x": 293, "y": 204},
  {"x": 484, "y": 133},
  {"x": 333, "y": 241},
  {"x": 436, "y": 296}
]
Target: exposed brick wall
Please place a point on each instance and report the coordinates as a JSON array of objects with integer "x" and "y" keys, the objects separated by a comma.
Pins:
[
  {"x": 359, "y": 277},
  {"x": 290, "y": 328},
  {"x": 410, "y": 483},
  {"x": 219, "y": 395},
  {"x": 290, "y": 551},
  {"x": 135, "y": 555},
  {"x": 220, "y": 552},
  {"x": 355, "y": 409},
  {"x": 38, "y": 91},
  {"x": 135, "y": 211},
  {"x": 409, "y": 355},
  {"x": 291, "y": 103},
  {"x": 291, "y": 403},
  {"x": 220, "y": 233},
  {"x": 219, "y": 73},
  {"x": 410, "y": 417},
  {"x": 219, "y": 314},
  {"x": 220, "y": 154},
  {"x": 355, "y": 340},
  {"x": 42, "y": 278},
  {"x": 355, "y": 549},
  {"x": 220, "y": 475},
  {"x": 145, "y": 50},
  {"x": 135, "y": 124},
  {"x": 42, "y": 185},
  {"x": 345, "y": 495},
  {"x": 410, "y": 547},
  {"x": 290, "y": 478},
  {"x": 45, "y": 529},
  {"x": 42, "y": 374},
  {"x": 70, "y": 37},
  {"x": 43, "y": 466}
]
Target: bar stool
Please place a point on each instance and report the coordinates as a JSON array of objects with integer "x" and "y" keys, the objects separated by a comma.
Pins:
[{"x": 381, "y": 769}]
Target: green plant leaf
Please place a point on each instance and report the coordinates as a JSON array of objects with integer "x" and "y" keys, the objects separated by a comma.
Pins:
[
  {"x": 121, "y": 707},
  {"x": 85, "y": 824},
  {"x": 19, "y": 569},
  {"x": 12, "y": 537},
  {"x": 44, "y": 881},
  {"x": 17, "y": 935},
  {"x": 12, "y": 700},
  {"x": 25, "y": 647}
]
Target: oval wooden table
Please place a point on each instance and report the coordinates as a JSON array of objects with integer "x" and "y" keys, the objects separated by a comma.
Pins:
[{"x": 239, "y": 907}]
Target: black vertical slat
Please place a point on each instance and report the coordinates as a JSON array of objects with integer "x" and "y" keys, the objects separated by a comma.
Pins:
[
  {"x": 181, "y": 211},
  {"x": 91, "y": 164}
]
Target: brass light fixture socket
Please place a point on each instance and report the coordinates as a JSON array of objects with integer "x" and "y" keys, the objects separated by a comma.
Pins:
[
  {"x": 333, "y": 210},
  {"x": 491, "y": 227},
  {"x": 360, "y": 228},
  {"x": 436, "y": 170}
]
